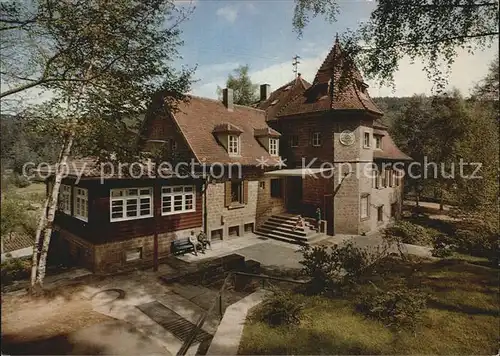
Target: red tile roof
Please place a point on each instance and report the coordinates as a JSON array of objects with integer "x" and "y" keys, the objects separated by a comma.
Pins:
[
  {"x": 349, "y": 90},
  {"x": 199, "y": 116},
  {"x": 282, "y": 96},
  {"x": 227, "y": 127},
  {"x": 266, "y": 132},
  {"x": 389, "y": 150},
  {"x": 91, "y": 168}
]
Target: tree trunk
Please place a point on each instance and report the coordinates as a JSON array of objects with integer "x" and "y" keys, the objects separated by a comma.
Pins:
[
  {"x": 36, "y": 244},
  {"x": 1, "y": 241},
  {"x": 39, "y": 230},
  {"x": 52, "y": 205},
  {"x": 441, "y": 203}
]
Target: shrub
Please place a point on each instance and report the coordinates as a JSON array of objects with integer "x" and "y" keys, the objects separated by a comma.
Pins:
[
  {"x": 398, "y": 307},
  {"x": 410, "y": 233},
  {"x": 479, "y": 241},
  {"x": 20, "y": 181},
  {"x": 335, "y": 269},
  {"x": 320, "y": 266},
  {"x": 15, "y": 269},
  {"x": 443, "y": 246},
  {"x": 281, "y": 307}
]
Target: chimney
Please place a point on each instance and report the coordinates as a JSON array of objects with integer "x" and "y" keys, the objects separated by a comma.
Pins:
[
  {"x": 265, "y": 90},
  {"x": 227, "y": 98}
]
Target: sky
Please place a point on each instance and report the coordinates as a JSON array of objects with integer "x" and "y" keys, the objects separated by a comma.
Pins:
[{"x": 221, "y": 35}]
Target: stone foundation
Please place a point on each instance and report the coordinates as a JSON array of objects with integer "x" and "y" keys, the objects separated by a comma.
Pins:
[{"x": 112, "y": 256}]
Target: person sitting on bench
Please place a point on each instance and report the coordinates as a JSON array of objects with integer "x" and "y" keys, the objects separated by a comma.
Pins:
[
  {"x": 204, "y": 240},
  {"x": 196, "y": 244}
]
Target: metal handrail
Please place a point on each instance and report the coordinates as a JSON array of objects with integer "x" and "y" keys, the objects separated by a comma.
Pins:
[
  {"x": 218, "y": 300},
  {"x": 263, "y": 276},
  {"x": 189, "y": 341}
]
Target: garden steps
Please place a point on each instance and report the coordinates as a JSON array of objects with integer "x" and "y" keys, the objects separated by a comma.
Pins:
[{"x": 281, "y": 227}]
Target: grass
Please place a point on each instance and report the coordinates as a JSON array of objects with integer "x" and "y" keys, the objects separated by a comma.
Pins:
[{"x": 462, "y": 318}]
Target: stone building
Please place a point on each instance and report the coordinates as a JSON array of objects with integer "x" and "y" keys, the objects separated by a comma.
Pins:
[{"x": 318, "y": 150}]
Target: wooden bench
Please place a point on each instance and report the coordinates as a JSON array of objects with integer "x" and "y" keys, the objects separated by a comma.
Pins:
[{"x": 181, "y": 246}]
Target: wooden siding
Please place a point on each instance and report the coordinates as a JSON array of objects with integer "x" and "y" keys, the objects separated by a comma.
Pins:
[{"x": 99, "y": 228}]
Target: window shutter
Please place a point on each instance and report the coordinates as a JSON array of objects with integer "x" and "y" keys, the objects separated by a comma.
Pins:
[
  {"x": 227, "y": 194},
  {"x": 245, "y": 192}
]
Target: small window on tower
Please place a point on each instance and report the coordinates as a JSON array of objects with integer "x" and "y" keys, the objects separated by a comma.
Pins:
[
  {"x": 316, "y": 139},
  {"x": 366, "y": 142}
]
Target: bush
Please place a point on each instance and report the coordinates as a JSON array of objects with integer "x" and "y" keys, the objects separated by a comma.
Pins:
[
  {"x": 335, "y": 269},
  {"x": 20, "y": 181},
  {"x": 479, "y": 241},
  {"x": 281, "y": 307},
  {"x": 398, "y": 307},
  {"x": 410, "y": 233},
  {"x": 15, "y": 269},
  {"x": 443, "y": 246}
]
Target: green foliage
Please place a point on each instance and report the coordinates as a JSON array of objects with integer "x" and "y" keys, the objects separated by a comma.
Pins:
[
  {"x": 399, "y": 307},
  {"x": 409, "y": 233},
  {"x": 457, "y": 136},
  {"x": 443, "y": 246},
  {"x": 337, "y": 268},
  {"x": 20, "y": 181},
  {"x": 15, "y": 218},
  {"x": 489, "y": 87},
  {"x": 432, "y": 31},
  {"x": 100, "y": 75},
  {"x": 22, "y": 144},
  {"x": 281, "y": 308},
  {"x": 15, "y": 269},
  {"x": 244, "y": 91},
  {"x": 480, "y": 240}
]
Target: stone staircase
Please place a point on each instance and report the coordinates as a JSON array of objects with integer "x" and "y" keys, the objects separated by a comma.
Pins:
[{"x": 281, "y": 227}]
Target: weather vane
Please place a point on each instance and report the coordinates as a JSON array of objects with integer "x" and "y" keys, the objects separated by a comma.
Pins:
[{"x": 295, "y": 64}]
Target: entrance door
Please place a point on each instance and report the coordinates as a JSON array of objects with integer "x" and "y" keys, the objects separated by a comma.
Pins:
[
  {"x": 328, "y": 213},
  {"x": 294, "y": 194}
]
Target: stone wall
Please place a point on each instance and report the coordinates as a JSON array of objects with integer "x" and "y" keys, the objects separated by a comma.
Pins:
[
  {"x": 112, "y": 256},
  {"x": 266, "y": 204},
  {"x": 258, "y": 207}
]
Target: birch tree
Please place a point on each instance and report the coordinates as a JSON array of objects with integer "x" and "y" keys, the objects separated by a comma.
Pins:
[
  {"x": 432, "y": 31},
  {"x": 101, "y": 61}
]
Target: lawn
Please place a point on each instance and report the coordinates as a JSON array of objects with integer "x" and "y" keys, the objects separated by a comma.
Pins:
[{"x": 462, "y": 318}]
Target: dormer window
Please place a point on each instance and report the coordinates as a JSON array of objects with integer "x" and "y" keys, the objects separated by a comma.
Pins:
[
  {"x": 233, "y": 145},
  {"x": 229, "y": 136},
  {"x": 273, "y": 146},
  {"x": 378, "y": 142},
  {"x": 269, "y": 139}
]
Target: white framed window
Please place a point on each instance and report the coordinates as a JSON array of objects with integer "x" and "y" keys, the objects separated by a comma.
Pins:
[
  {"x": 365, "y": 206},
  {"x": 378, "y": 142},
  {"x": 233, "y": 145},
  {"x": 178, "y": 199},
  {"x": 273, "y": 146},
  {"x": 65, "y": 199},
  {"x": 316, "y": 139},
  {"x": 131, "y": 203},
  {"x": 294, "y": 141},
  {"x": 81, "y": 204},
  {"x": 366, "y": 141}
]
